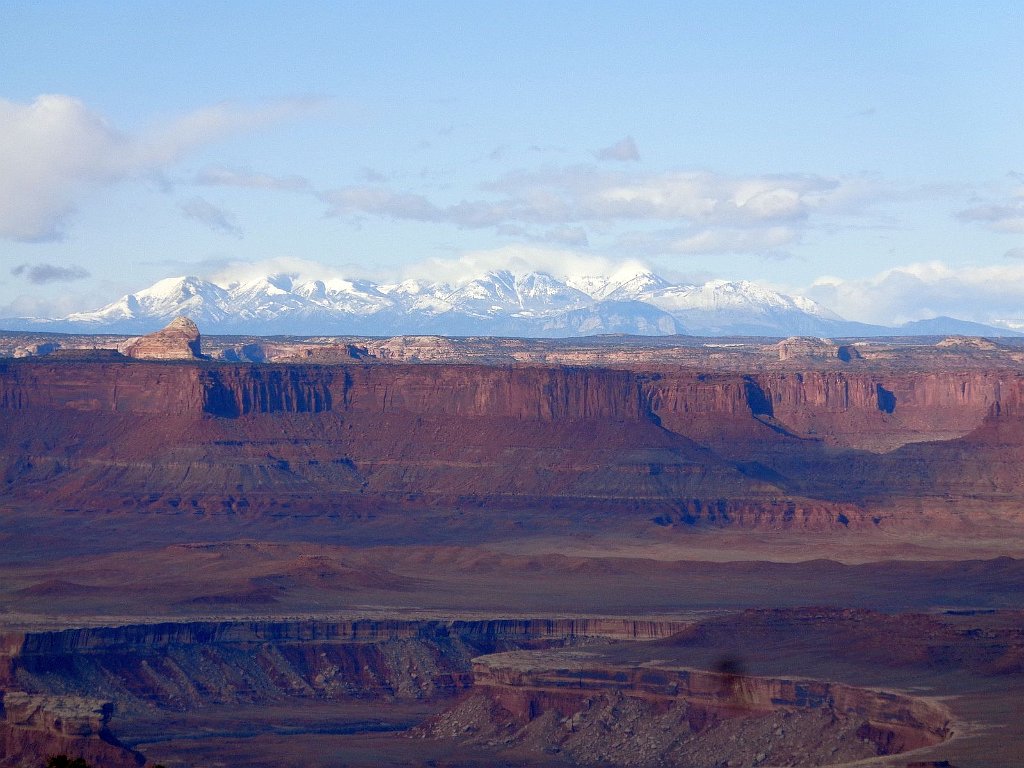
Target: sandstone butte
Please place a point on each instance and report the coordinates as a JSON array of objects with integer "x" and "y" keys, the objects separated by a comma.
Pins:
[{"x": 180, "y": 340}]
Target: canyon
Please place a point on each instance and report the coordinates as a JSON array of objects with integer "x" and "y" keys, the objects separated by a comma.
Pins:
[{"x": 511, "y": 552}]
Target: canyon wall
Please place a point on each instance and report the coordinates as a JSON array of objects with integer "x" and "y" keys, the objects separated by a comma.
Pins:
[
  {"x": 482, "y": 632},
  {"x": 106, "y": 387},
  {"x": 778, "y": 447},
  {"x": 187, "y": 664},
  {"x": 844, "y": 408}
]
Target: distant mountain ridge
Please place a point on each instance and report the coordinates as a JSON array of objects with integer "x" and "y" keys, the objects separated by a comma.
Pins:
[{"x": 496, "y": 303}]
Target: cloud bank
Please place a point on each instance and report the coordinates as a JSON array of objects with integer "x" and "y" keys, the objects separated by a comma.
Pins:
[
  {"x": 559, "y": 262},
  {"x": 988, "y": 294},
  {"x": 55, "y": 148},
  {"x": 697, "y": 211}
]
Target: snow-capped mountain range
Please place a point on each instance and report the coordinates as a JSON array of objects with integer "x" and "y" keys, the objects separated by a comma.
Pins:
[{"x": 501, "y": 303}]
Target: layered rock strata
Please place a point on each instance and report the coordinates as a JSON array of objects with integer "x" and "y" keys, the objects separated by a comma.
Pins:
[
  {"x": 189, "y": 664},
  {"x": 777, "y": 448},
  {"x": 594, "y": 711},
  {"x": 180, "y": 340}
]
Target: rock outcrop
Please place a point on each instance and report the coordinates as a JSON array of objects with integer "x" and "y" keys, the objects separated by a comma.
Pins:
[
  {"x": 190, "y": 664},
  {"x": 586, "y": 690},
  {"x": 968, "y": 342},
  {"x": 807, "y": 347},
  {"x": 34, "y": 726},
  {"x": 180, "y": 340},
  {"x": 594, "y": 711}
]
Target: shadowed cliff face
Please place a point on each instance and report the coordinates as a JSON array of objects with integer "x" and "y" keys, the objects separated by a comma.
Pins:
[{"x": 775, "y": 448}]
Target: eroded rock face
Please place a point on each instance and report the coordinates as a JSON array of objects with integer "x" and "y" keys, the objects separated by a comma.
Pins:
[
  {"x": 69, "y": 716},
  {"x": 182, "y": 665},
  {"x": 776, "y": 448},
  {"x": 180, "y": 340},
  {"x": 611, "y": 436},
  {"x": 36, "y": 725},
  {"x": 594, "y": 711},
  {"x": 35, "y": 350},
  {"x": 621, "y": 730},
  {"x": 806, "y": 347},
  {"x": 584, "y": 691}
]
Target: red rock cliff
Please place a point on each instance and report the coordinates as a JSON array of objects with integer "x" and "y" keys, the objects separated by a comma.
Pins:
[{"x": 765, "y": 448}]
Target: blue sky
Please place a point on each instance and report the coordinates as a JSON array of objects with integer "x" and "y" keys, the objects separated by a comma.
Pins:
[{"x": 870, "y": 155}]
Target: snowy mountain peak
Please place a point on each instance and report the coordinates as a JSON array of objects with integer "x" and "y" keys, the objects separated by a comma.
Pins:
[
  {"x": 636, "y": 286},
  {"x": 162, "y": 301},
  {"x": 267, "y": 284},
  {"x": 628, "y": 282},
  {"x": 500, "y": 302},
  {"x": 174, "y": 288},
  {"x": 315, "y": 290},
  {"x": 408, "y": 287}
]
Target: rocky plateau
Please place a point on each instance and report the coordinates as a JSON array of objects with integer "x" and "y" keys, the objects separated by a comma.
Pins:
[{"x": 476, "y": 552}]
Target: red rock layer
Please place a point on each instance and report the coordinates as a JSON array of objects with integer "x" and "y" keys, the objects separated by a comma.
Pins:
[
  {"x": 528, "y": 684},
  {"x": 776, "y": 448}
]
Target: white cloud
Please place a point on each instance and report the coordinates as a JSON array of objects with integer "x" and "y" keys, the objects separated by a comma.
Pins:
[
  {"x": 48, "y": 149},
  {"x": 567, "y": 235},
  {"x": 165, "y": 144},
  {"x": 54, "y": 149},
  {"x": 381, "y": 201},
  {"x": 1001, "y": 209},
  {"x": 300, "y": 270},
  {"x": 988, "y": 294},
  {"x": 560, "y": 262},
  {"x": 711, "y": 213},
  {"x": 708, "y": 198},
  {"x": 624, "y": 151}
]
